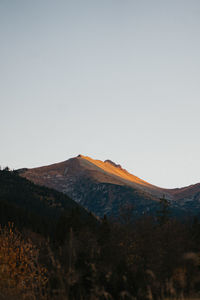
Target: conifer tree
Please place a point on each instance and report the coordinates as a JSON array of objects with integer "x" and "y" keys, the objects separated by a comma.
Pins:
[{"x": 164, "y": 212}]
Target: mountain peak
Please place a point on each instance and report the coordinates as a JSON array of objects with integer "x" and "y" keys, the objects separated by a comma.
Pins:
[
  {"x": 111, "y": 168},
  {"x": 108, "y": 161},
  {"x": 113, "y": 163}
]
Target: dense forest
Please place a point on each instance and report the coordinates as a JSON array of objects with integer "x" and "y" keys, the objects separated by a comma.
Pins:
[{"x": 51, "y": 248}]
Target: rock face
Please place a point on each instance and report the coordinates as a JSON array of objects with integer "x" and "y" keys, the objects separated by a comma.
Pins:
[{"x": 105, "y": 187}]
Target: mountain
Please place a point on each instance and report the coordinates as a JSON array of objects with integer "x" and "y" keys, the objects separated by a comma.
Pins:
[{"x": 105, "y": 187}]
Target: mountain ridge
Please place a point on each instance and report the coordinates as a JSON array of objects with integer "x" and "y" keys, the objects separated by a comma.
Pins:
[{"x": 81, "y": 177}]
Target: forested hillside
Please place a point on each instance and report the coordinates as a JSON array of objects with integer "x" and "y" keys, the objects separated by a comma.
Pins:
[
  {"x": 32, "y": 206},
  {"x": 51, "y": 248}
]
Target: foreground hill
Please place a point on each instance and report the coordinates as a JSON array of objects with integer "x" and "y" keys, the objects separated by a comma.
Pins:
[
  {"x": 105, "y": 187},
  {"x": 32, "y": 206}
]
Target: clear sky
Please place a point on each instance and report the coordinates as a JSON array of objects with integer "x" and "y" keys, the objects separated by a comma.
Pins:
[{"x": 111, "y": 79}]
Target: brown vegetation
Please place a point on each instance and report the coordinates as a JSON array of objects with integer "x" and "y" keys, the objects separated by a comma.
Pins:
[{"x": 21, "y": 276}]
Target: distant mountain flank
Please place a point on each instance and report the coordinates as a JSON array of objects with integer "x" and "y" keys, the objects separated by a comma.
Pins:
[{"x": 104, "y": 187}]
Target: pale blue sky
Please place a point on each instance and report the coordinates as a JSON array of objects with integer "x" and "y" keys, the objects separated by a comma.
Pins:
[{"x": 111, "y": 79}]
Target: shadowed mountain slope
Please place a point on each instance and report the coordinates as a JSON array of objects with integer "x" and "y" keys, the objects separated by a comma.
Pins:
[{"x": 33, "y": 206}]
